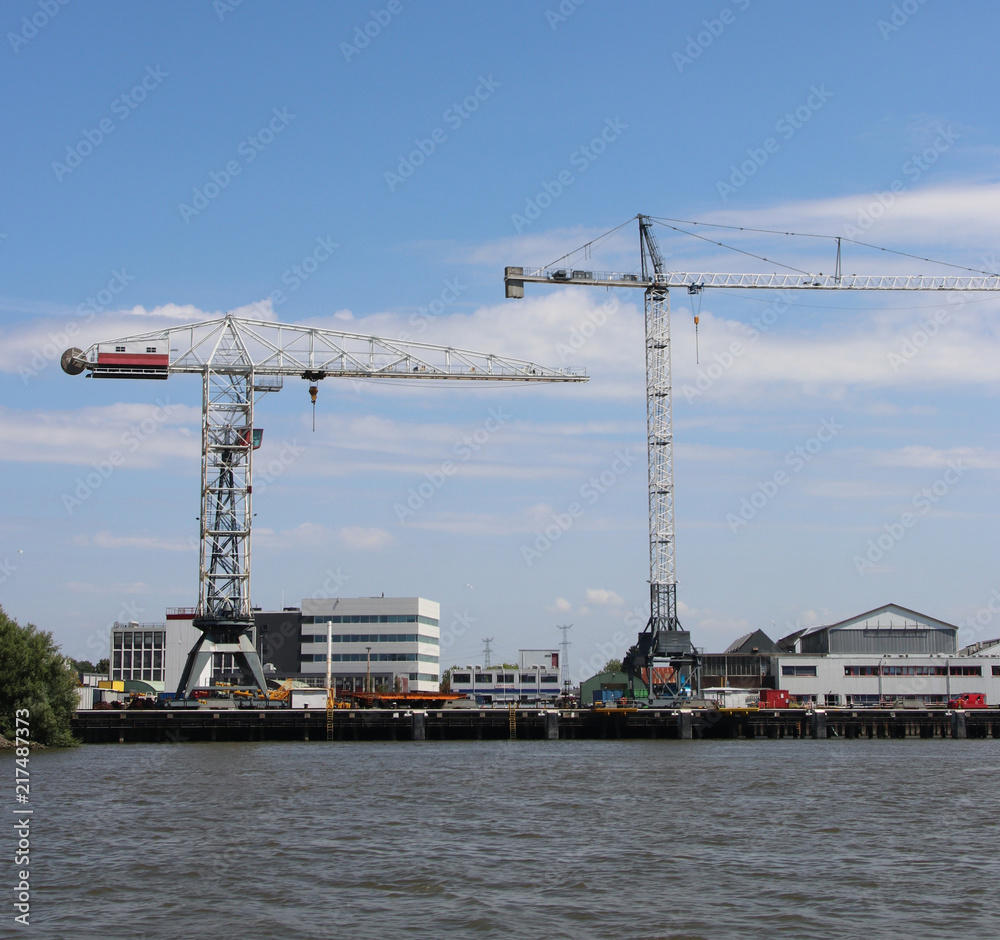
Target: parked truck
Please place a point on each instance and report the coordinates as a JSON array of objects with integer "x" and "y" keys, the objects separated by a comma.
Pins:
[{"x": 968, "y": 700}]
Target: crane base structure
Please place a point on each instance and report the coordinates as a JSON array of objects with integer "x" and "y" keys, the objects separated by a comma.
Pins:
[{"x": 239, "y": 360}]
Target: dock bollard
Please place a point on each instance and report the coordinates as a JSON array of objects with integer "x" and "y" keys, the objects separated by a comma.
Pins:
[
  {"x": 958, "y": 729},
  {"x": 819, "y": 724},
  {"x": 552, "y": 726},
  {"x": 684, "y": 731}
]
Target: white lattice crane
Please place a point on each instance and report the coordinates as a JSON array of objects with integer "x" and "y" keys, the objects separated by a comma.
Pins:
[
  {"x": 239, "y": 359},
  {"x": 663, "y": 637}
]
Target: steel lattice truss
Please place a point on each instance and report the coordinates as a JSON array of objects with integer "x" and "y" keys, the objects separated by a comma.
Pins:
[
  {"x": 773, "y": 281},
  {"x": 282, "y": 350},
  {"x": 659, "y": 429}
]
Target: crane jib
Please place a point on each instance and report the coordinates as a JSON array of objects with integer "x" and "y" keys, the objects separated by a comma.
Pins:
[{"x": 516, "y": 277}]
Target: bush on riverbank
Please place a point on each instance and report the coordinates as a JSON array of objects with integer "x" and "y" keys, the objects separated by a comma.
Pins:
[{"x": 34, "y": 675}]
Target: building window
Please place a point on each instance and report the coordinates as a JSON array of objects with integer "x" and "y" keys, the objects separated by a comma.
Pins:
[
  {"x": 119, "y": 349},
  {"x": 798, "y": 670},
  {"x": 151, "y": 349},
  {"x": 996, "y": 670},
  {"x": 461, "y": 677},
  {"x": 966, "y": 670}
]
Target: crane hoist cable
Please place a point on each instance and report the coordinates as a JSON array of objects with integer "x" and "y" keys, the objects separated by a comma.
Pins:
[{"x": 837, "y": 238}]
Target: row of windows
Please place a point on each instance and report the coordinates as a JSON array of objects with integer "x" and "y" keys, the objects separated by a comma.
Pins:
[
  {"x": 138, "y": 654},
  {"x": 373, "y": 618},
  {"x": 894, "y": 670},
  {"x": 875, "y": 700},
  {"x": 146, "y": 665},
  {"x": 502, "y": 678},
  {"x": 375, "y": 658},
  {"x": 371, "y": 638},
  {"x": 139, "y": 639},
  {"x": 916, "y": 671},
  {"x": 423, "y": 677}
]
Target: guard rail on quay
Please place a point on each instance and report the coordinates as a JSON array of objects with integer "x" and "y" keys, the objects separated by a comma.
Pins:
[{"x": 175, "y": 725}]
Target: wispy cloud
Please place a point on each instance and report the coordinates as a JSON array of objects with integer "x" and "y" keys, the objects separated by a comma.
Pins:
[
  {"x": 365, "y": 539},
  {"x": 105, "y": 539}
]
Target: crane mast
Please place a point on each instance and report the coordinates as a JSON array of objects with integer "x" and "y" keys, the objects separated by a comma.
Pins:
[
  {"x": 663, "y": 634},
  {"x": 663, "y": 637},
  {"x": 237, "y": 360}
]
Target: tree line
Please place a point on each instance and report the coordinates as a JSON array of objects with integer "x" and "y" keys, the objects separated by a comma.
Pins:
[{"x": 35, "y": 675}]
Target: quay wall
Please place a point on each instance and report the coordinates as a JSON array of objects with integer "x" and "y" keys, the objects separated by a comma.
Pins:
[{"x": 176, "y": 725}]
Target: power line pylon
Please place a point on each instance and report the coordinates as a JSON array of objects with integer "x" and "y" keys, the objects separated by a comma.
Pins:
[{"x": 564, "y": 660}]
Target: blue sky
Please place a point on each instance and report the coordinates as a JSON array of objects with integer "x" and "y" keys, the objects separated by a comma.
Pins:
[{"x": 165, "y": 163}]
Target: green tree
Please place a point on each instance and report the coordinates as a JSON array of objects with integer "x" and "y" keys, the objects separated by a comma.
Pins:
[
  {"x": 445, "y": 685},
  {"x": 613, "y": 665},
  {"x": 36, "y": 676}
]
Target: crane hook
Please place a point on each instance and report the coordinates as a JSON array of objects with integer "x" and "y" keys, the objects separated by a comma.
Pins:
[
  {"x": 313, "y": 392},
  {"x": 695, "y": 290}
]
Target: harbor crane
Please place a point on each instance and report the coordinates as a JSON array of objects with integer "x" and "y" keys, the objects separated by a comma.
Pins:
[
  {"x": 663, "y": 638},
  {"x": 239, "y": 360}
]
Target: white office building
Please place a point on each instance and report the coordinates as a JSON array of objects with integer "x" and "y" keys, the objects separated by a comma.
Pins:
[{"x": 394, "y": 640}]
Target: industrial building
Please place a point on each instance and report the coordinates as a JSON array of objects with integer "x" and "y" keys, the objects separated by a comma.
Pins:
[
  {"x": 746, "y": 663},
  {"x": 890, "y": 655},
  {"x": 391, "y": 642},
  {"x": 153, "y": 653},
  {"x": 534, "y": 679}
]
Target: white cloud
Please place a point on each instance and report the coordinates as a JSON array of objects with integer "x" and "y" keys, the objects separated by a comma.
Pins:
[
  {"x": 365, "y": 539},
  {"x": 121, "y": 435},
  {"x": 951, "y": 216},
  {"x": 604, "y": 598},
  {"x": 560, "y": 606},
  {"x": 920, "y": 456},
  {"x": 306, "y": 535}
]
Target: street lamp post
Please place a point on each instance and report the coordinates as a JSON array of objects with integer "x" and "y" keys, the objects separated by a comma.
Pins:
[{"x": 368, "y": 674}]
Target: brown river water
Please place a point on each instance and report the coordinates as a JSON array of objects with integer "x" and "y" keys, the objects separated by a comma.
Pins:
[{"x": 548, "y": 839}]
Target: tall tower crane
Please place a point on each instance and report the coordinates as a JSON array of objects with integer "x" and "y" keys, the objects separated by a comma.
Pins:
[
  {"x": 663, "y": 637},
  {"x": 239, "y": 360}
]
